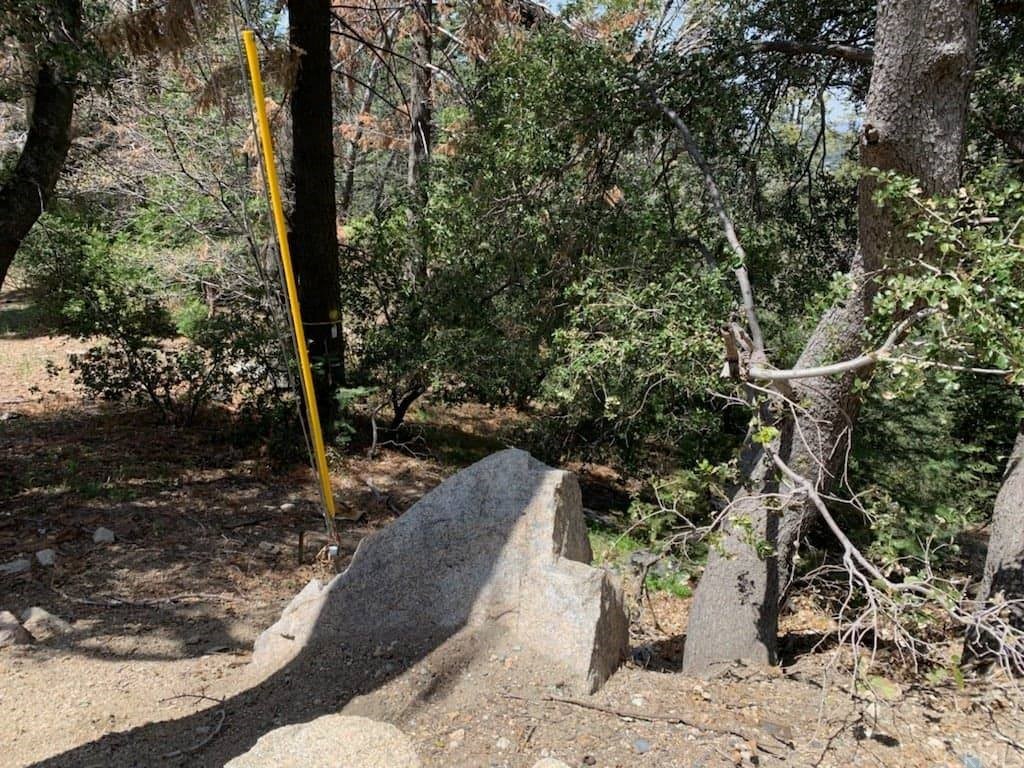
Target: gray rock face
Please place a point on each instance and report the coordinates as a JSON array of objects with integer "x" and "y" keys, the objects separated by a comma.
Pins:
[
  {"x": 103, "y": 536},
  {"x": 43, "y": 624},
  {"x": 331, "y": 741},
  {"x": 14, "y": 567},
  {"x": 502, "y": 543},
  {"x": 46, "y": 557},
  {"x": 11, "y": 631}
]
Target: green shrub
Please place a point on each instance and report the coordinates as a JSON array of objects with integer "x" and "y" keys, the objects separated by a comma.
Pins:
[{"x": 156, "y": 342}]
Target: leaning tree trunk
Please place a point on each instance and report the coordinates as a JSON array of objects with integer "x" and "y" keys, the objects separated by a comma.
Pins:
[
  {"x": 27, "y": 191},
  {"x": 313, "y": 234},
  {"x": 916, "y": 109},
  {"x": 1003, "y": 577}
]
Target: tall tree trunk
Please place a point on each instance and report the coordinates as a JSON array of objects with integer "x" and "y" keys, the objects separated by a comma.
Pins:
[
  {"x": 313, "y": 234},
  {"x": 1004, "y": 563},
  {"x": 27, "y": 191},
  {"x": 420, "y": 132},
  {"x": 916, "y": 109}
]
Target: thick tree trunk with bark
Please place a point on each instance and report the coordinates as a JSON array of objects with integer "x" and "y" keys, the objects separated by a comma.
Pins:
[
  {"x": 916, "y": 109},
  {"x": 1003, "y": 578},
  {"x": 313, "y": 234},
  {"x": 27, "y": 191}
]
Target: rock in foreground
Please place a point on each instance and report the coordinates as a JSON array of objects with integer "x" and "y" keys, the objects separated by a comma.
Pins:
[
  {"x": 43, "y": 624},
  {"x": 331, "y": 741},
  {"x": 14, "y": 567},
  {"x": 501, "y": 545},
  {"x": 11, "y": 631}
]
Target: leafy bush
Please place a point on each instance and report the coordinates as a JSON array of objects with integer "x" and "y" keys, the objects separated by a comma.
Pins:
[
  {"x": 929, "y": 467},
  {"x": 679, "y": 509},
  {"x": 156, "y": 343},
  {"x": 931, "y": 443}
]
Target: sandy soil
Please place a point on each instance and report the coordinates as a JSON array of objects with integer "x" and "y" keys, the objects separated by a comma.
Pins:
[{"x": 207, "y": 553}]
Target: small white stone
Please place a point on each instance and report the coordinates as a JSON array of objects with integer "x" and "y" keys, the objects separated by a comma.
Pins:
[
  {"x": 11, "y": 632},
  {"x": 103, "y": 536},
  {"x": 287, "y": 506},
  {"x": 21, "y": 565},
  {"x": 503, "y": 744},
  {"x": 42, "y": 624},
  {"x": 46, "y": 557},
  {"x": 455, "y": 738}
]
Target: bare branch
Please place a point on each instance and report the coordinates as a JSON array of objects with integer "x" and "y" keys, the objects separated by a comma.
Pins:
[
  {"x": 880, "y": 590},
  {"x": 718, "y": 204},
  {"x": 863, "y": 361},
  {"x": 851, "y": 53}
]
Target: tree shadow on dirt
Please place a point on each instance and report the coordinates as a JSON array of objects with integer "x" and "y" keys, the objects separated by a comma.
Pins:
[
  {"x": 204, "y": 531},
  {"x": 20, "y": 318},
  {"x": 342, "y": 660}
]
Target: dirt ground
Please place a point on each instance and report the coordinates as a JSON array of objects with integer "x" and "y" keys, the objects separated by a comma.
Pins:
[{"x": 207, "y": 552}]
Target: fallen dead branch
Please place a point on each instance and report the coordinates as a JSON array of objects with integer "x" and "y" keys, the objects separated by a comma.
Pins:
[
  {"x": 152, "y": 602},
  {"x": 746, "y": 734},
  {"x": 221, "y": 715}
]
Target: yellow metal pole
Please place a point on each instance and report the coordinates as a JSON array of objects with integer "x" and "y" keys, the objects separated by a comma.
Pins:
[{"x": 274, "y": 187}]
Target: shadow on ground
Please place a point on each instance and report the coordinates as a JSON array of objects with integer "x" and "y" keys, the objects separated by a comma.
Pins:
[
  {"x": 20, "y": 318},
  {"x": 205, "y": 532},
  {"x": 332, "y": 669}
]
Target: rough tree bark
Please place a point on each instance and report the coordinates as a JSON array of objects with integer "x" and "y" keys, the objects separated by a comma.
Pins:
[
  {"x": 27, "y": 191},
  {"x": 1003, "y": 576},
  {"x": 313, "y": 234},
  {"x": 916, "y": 110}
]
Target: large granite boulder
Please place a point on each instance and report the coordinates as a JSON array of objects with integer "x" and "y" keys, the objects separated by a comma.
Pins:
[
  {"x": 501, "y": 544},
  {"x": 331, "y": 741}
]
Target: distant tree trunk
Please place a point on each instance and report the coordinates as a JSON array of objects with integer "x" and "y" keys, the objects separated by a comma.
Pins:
[
  {"x": 916, "y": 109},
  {"x": 27, "y": 191},
  {"x": 1004, "y": 564},
  {"x": 313, "y": 234},
  {"x": 420, "y": 132},
  {"x": 352, "y": 153}
]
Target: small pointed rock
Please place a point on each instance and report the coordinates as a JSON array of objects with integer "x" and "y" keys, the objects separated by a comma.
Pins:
[
  {"x": 642, "y": 746},
  {"x": 103, "y": 536},
  {"x": 11, "y": 631},
  {"x": 43, "y": 624},
  {"x": 46, "y": 557}
]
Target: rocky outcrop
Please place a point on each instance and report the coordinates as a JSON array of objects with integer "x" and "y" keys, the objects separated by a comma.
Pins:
[{"x": 500, "y": 544}]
